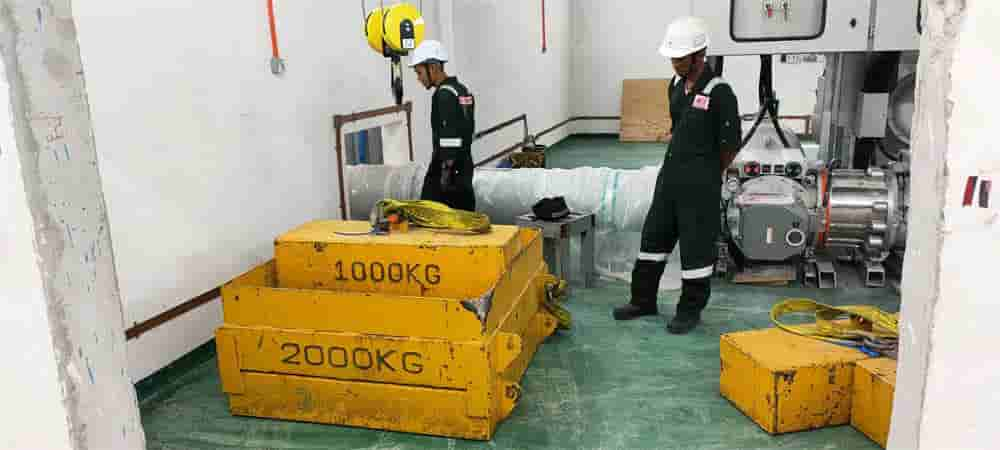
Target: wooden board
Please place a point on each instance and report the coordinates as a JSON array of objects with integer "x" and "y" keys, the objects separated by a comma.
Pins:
[
  {"x": 779, "y": 274},
  {"x": 645, "y": 111}
]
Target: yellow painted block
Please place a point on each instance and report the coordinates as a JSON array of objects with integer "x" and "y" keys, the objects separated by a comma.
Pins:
[
  {"x": 254, "y": 299},
  {"x": 443, "y": 364},
  {"x": 258, "y": 298},
  {"x": 355, "y": 357},
  {"x": 433, "y": 387},
  {"x": 874, "y": 388},
  {"x": 786, "y": 382},
  {"x": 409, "y": 409},
  {"x": 419, "y": 263}
]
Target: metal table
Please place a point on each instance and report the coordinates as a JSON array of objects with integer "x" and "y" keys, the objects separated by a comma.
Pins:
[{"x": 557, "y": 235}]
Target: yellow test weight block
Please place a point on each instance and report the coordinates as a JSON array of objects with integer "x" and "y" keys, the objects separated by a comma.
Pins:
[
  {"x": 874, "y": 389},
  {"x": 425, "y": 386},
  {"x": 383, "y": 358},
  {"x": 419, "y": 263},
  {"x": 785, "y": 382}
]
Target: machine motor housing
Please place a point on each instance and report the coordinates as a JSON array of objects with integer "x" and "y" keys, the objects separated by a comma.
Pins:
[{"x": 770, "y": 219}]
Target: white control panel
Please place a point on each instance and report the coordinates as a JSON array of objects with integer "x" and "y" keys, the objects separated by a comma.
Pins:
[
  {"x": 757, "y": 27},
  {"x": 897, "y": 25},
  {"x": 770, "y": 20}
]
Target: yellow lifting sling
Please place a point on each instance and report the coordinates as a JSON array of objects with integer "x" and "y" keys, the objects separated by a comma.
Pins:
[{"x": 864, "y": 327}]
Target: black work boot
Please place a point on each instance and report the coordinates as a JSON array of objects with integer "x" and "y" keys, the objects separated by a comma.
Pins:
[
  {"x": 694, "y": 298},
  {"x": 683, "y": 323},
  {"x": 634, "y": 311},
  {"x": 645, "y": 282}
]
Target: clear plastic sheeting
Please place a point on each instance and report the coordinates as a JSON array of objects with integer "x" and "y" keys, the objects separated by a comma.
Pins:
[
  {"x": 368, "y": 184},
  {"x": 620, "y": 200}
]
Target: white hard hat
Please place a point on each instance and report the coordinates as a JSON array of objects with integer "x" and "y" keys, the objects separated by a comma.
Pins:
[
  {"x": 685, "y": 36},
  {"x": 428, "y": 50}
]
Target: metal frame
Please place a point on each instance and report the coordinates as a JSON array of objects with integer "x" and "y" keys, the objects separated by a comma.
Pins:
[
  {"x": 557, "y": 237},
  {"x": 531, "y": 139},
  {"x": 343, "y": 119}
]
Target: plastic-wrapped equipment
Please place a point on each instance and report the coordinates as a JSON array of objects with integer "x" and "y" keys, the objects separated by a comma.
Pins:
[{"x": 619, "y": 198}]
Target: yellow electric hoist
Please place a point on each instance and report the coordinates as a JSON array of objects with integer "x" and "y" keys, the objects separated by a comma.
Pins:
[{"x": 392, "y": 32}]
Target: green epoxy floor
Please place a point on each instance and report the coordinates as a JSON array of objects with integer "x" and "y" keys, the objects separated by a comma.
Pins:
[
  {"x": 603, "y": 151},
  {"x": 601, "y": 385}
]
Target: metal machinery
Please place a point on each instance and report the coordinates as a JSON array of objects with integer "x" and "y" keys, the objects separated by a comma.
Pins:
[{"x": 848, "y": 202}]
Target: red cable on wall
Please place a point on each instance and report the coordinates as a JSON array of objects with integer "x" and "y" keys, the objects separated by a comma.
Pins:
[
  {"x": 277, "y": 65},
  {"x": 274, "y": 32},
  {"x": 544, "y": 40}
]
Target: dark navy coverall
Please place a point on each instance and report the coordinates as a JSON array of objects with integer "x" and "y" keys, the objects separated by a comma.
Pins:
[
  {"x": 449, "y": 177},
  {"x": 686, "y": 199}
]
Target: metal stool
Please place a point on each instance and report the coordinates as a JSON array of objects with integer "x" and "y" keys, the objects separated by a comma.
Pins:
[{"x": 556, "y": 238}]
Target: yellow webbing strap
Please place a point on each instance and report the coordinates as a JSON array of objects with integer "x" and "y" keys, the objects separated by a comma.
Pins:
[
  {"x": 855, "y": 325},
  {"x": 429, "y": 214},
  {"x": 555, "y": 295}
]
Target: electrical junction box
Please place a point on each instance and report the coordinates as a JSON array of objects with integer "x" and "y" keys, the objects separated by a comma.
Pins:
[
  {"x": 897, "y": 25},
  {"x": 872, "y": 116},
  {"x": 777, "y": 20},
  {"x": 772, "y": 27}
]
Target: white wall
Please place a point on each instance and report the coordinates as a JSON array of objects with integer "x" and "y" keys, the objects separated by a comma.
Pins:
[
  {"x": 24, "y": 323},
  {"x": 499, "y": 55},
  {"x": 613, "y": 41},
  {"x": 963, "y": 372},
  {"x": 946, "y": 395},
  {"x": 207, "y": 156},
  {"x": 65, "y": 381}
]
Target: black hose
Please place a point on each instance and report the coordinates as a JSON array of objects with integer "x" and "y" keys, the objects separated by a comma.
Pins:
[
  {"x": 753, "y": 128},
  {"x": 920, "y": 13},
  {"x": 727, "y": 232},
  {"x": 781, "y": 134},
  {"x": 767, "y": 97},
  {"x": 881, "y": 148},
  {"x": 716, "y": 63},
  {"x": 768, "y": 102}
]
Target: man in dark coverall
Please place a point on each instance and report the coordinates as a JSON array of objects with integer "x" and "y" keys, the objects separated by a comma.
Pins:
[
  {"x": 704, "y": 139},
  {"x": 449, "y": 176}
]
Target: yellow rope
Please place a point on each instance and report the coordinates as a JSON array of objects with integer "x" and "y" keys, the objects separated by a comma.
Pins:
[
  {"x": 429, "y": 214},
  {"x": 555, "y": 294},
  {"x": 435, "y": 215},
  {"x": 854, "y": 325}
]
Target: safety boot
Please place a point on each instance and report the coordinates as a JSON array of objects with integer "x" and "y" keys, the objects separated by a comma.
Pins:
[
  {"x": 645, "y": 282},
  {"x": 683, "y": 323},
  {"x": 633, "y": 311},
  {"x": 694, "y": 298}
]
